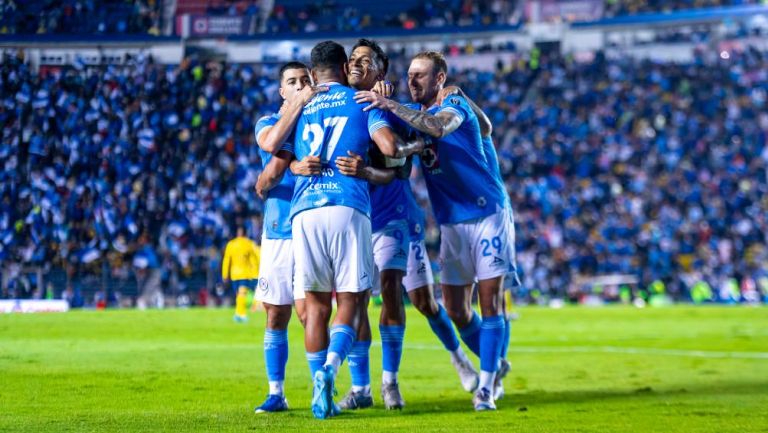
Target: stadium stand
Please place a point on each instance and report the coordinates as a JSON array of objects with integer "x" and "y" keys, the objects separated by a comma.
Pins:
[
  {"x": 620, "y": 166},
  {"x": 84, "y": 17}
]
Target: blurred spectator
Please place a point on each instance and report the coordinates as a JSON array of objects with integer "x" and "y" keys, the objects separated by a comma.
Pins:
[
  {"x": 84, "y": 17},
  {"x": 614, "y": 166}
]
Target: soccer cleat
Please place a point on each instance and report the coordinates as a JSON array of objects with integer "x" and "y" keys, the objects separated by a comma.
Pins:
[
  {"x": 498, "y": 385},
  {"x": 322, "y": 394},
  {"x": 390, "y": 395},
  {"x": 273, "y": 403},
  {"x": 356, "y": 400},
  {"x": 467, "y": 374},
  {"x": 483, "y": 400}
]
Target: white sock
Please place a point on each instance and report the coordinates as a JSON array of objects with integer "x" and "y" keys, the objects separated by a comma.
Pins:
[
  {"x": 459, "y": 356},
  {"x": 389, "y": 377},
  {"x": 486, "y": 379},
  {"x": 276, "y": 387},
  {"x": 334, "y": 360},
  {"x": 366, "y": 390}
]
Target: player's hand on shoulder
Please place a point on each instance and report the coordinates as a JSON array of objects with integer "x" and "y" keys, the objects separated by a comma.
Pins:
[
  {"x": 376, "y": 100},
  {"x": 446, "y": 92},
  {"x": 352, "y": 165},
  {"x": 307, "y": 93},
  {"x": 309, "y": 166},
  {"x": 384, "y": 88}
]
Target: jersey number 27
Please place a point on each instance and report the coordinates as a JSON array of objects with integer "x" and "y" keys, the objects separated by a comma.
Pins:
[{"x": 332, "y": 125}]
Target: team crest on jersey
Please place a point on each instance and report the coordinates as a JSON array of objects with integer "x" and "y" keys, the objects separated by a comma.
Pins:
[
  {"x": 263, "y": 285},
  {"x": 455, "y": 101},
  {"x": 481, "y": 201},
  {"x": 417, "y": 228}
]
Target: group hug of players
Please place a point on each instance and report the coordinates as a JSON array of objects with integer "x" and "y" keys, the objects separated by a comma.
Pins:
[{"x": 339, "y": 216}]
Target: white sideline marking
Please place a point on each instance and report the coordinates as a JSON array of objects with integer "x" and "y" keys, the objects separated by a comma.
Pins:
[{"x": 611, "y": 349}]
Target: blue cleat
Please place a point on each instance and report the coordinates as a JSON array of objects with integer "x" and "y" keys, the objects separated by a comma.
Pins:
[
  {"x": 322, "y": 394},
  {"x": 273, "y": 403}
]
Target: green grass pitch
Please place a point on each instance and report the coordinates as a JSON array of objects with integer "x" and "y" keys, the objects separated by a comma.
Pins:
[{"x": 615, "y": 369}]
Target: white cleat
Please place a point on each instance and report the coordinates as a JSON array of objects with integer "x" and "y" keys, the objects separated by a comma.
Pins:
[
  {"x": 483, "y": 400},
  {"x": 498, "y": 385},
  {"x": 390, "y": 395},
  {"x": 469, "y": 377}
]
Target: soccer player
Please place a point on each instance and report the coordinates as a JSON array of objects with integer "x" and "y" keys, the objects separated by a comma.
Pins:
[
  {"x": 468, "y": 204},
  {"x": 275, "y": 288},
  {"x": 511, "y": 280},
  {"x": 240, "y": 268},
  {"x": 390, "y": 197},
  {"x": 331, "y": 217}
]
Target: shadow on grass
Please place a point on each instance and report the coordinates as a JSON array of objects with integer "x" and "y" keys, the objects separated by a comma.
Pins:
[{"x": 543, "y": 397}]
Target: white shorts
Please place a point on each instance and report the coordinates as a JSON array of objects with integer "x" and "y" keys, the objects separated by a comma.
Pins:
[
  {"x": 390, "y": 246},
  {"x": 332, "y": 250},
  {"x": 276, "y": 273},
  {"x": 476, "y": 249},
  {"x": 419, "y": 273}
]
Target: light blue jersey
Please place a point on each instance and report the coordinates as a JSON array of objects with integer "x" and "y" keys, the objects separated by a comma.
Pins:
[
  {"x": 461, "y": 187},
  {"x": 493, "y": 165},
  {"x": 331, "y": 124},
  {"x": 416, "y": 217},
  {"x": 388, "y": 203},
  {"x": 277, "y": 207}
]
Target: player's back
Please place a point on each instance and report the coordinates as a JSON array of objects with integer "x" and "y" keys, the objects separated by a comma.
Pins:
[
  {"x": 331, "y": 125},
  {"x": 492, "y": 157}
]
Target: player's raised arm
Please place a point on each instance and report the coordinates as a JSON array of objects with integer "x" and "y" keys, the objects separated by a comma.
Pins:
[
  {"x": 438, "y": 125},
  {"x": 270, "y": 139},
  {"x": 486, "y": 128}
]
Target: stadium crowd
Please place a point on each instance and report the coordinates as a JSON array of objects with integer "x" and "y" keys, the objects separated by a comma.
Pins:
[
  {"x": 85, "y": 17},
  {"x": 620, "y": 166},
  {"x": 118, "y": 17}
]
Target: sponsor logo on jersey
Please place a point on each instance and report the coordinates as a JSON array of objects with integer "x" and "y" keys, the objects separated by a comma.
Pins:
[
  {"x": 498, "y": 262},
  {"x": 325, "y": 186},
  {"x": 401, "y": 254}
]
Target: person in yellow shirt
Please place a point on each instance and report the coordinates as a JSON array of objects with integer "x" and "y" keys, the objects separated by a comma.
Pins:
[{"x": 240, "y": 270}]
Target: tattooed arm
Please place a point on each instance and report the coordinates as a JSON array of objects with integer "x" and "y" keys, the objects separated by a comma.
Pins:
[{"x": 438, "y": 125}]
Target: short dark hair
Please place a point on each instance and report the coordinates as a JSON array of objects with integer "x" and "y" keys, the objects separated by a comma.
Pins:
[
  {"x": 438, "y": 60},
  {"x": 328, "y": 55},
  {"x": 380, "y": 56},
  {"x": 288, "y": 66}
]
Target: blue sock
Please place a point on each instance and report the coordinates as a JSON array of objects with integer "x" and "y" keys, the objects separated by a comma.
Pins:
[
  {"x": 505, "y": 339},
  {"x": 442, "y": 327},
  {"x": 491, "y": 333},
  {"x": 391, "y": 347},
  {"x": 359, "y": 363},
  {"x": 316, "y": 361},
  {"x": 342, "y": 338},
  {"x": 470, "y": 334},
  {"x": 276, "y": 353}
]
